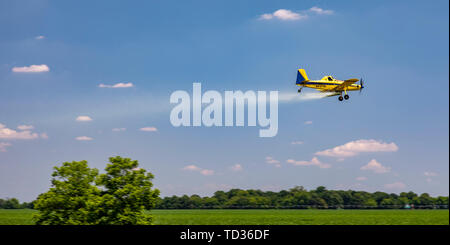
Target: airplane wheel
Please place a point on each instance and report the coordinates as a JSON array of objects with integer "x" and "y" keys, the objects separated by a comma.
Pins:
[
  {"x": 341, "y": 98},
  {"x": 299, "y": 90},
  {"x": 346, "y": 97}
]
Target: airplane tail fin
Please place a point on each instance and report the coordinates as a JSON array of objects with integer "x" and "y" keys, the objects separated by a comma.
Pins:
[{"x": 301, "y": 76}]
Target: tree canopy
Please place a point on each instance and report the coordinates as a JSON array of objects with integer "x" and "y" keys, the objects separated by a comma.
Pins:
[
  {"x": 79, "y": 195},
  {"x": 299, "y": 198}
]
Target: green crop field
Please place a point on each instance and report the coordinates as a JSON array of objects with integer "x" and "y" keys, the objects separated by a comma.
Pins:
[{"x": 271, "y": 217}]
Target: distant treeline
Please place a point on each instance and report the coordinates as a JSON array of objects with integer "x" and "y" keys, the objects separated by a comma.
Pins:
[
  {"x": 295, "y": 198},
  {"x": 13, "y": 203},
  {"x": 300, "y": 198}
]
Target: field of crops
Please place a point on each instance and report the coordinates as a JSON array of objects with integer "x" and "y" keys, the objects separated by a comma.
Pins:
[{"x": 271, "y": 217}]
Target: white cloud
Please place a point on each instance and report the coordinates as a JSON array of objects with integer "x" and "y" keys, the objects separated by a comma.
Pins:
[
  {"x": 314, "y": 162},
  {"x": 396, "y": 185},
  {"x": 353, "y": 148},
  {"x": 118, "y": 129},
  {"x": 376, "y": 167},
  {"x": 321, "y": 11},
  {"x": 308, "y": 122},
  {"x": 266, "y": 17},
  {"x": 198, "y": 169},
  {"x": 7, "y": 133},
  {"x": 3, "y": 146},
  {"x": 297, "y": 143},
  {"x": 83, "y": 138},
  {"x": 83, "y": 119},
  {"x": 39, "y": 37},
  {"x": 430, "y": 174},
  {"x": 149, "y": 129},
  {"x": 117, "y": 85},
  {"x": 283, "y": 14},
  {"x": 44, "y": 136},
  {"x": 272, "y": 161},
  {"x": 32, "y": 69},
  {"x": 207, "y": 172},
  {"x": 361, "y": 178},
  {"x": 289, "y": 15},
  {"x": 192, "y": 168},
  {"x": 25, "y": 127},
  {"x": 236, "y": 167}
]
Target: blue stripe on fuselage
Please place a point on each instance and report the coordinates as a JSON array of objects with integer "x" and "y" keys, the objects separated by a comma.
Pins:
[{"x": 323, "y": 83}]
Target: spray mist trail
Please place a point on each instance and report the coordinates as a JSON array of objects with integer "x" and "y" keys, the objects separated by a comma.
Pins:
[{"x": 291, "y": 97}]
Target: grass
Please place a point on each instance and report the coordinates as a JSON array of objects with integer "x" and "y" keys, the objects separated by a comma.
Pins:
[
  {"x": 271, "y": 217},
  {"x": 16, "y": 216},
  {"x": 301, "y": 217}
]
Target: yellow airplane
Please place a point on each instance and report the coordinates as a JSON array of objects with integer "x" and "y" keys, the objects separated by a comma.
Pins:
[{"x": 329, "y": 84}]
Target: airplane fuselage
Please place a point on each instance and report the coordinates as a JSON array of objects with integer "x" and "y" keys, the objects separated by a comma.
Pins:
[{"x": 329, "y": 86}]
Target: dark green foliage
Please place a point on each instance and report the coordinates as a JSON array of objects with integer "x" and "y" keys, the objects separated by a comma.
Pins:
[
  {"x": 13, "y": 203},
  {"x": 71, "y": 198},
  {"x": 295, "y": 198},
  {"x": 80, "y": 196},
  {"x": 127, "y": 193},
  {"x": 10, "y": 203},
  {"x": 300, "y": 198}
]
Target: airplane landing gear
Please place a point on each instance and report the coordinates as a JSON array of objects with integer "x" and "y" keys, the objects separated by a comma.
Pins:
[
  {"x": 341, "y": 98},
  {"x": 346, "y": 97},
  {"x": 299, "y": 90}
]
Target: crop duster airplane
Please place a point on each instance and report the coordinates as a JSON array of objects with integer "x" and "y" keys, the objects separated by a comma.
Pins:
[{"x": 329, "y": 84}]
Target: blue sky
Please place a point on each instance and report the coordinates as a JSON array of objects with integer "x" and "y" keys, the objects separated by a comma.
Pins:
[{"x": 399, "y": 47}]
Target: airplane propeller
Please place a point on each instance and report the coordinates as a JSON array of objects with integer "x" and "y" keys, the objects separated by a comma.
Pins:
[{"x": 361, "y": 82}]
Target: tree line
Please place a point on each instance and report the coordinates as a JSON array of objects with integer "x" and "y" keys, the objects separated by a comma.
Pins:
[
  {"x": 295, "y": 198},
  {"x": 300, "y": 198},
  {"x": 13, "y": 203}
]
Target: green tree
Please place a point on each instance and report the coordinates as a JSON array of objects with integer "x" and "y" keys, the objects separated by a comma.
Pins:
[
  {"x": 320, "y": 190},
  {"x": 297, "y": 189},
  {"x": 410, "y": 195},
  {"x": 442, "y": 201},
  {"x": 426, "y": 200},
  {"x": 238, "y": 201},
  {"x": 11, "y": 203},
  {"x": 403, "y": 201},
  {"x": 379, "y": 196},
  {"x": 127, "y": 192},
  {"x": 195, "y": 201},
  {"x": 301, "y": 199},
  {"x": 71, "y": 198},
  {"x": 120, "y": 197},
  {"x": 221, "y": 197},
  {"x": 333, "y": 199},
  {"x": 317, "y": 201},
  {"x": 387, "y": 203},
  {"x": 370, "y": 203},
  {"x": 210, "y": 202}
]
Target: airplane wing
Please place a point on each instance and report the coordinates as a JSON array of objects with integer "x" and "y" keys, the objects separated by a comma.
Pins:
[{"x": 347, "y": 82}]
